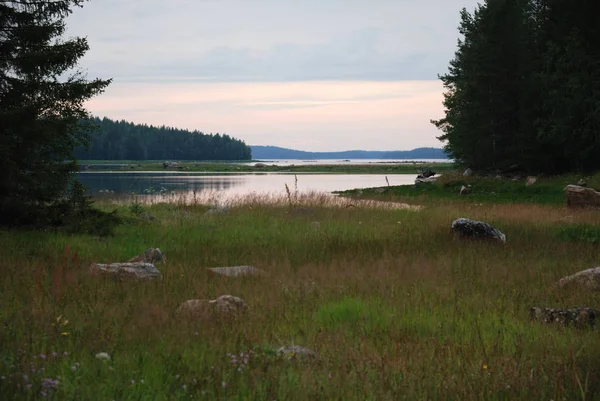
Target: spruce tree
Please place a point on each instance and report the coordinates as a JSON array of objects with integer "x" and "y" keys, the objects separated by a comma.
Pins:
[{"x": 42, "y": 118}]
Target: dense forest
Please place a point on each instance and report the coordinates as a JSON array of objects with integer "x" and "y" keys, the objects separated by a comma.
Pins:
[
  {"x": 523, "y": 91},
  {"x": 122, "y": 140},
  {"x": 275, "y": 152}
]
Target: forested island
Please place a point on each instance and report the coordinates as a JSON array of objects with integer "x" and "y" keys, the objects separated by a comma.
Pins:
[{"x": 122, "y": 140}]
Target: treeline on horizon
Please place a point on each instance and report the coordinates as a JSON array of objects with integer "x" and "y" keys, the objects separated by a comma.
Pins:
[
  {"x": 122, "y": 140},
  {"x": 275, "y": 152},
  {"x": 523, "y": 91}
]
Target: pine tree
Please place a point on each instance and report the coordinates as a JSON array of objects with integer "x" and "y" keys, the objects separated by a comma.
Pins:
[
  {"x": 41, "y": 106},
  {"x": 488, "y": 87}
]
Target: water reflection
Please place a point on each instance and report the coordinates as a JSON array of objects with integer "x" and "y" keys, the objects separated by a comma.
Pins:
[{"x": 231, "y": 185}]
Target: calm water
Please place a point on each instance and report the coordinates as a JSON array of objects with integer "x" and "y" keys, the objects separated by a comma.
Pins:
[
  {"x": 299, "y": 162},
  {"x": 230, "y": 185}
]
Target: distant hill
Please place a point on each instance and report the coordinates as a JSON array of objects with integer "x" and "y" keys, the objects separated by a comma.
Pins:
[{"x": 274, "y": 152}]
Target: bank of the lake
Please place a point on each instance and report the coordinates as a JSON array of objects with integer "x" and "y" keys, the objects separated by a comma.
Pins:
[
  {"x": 547, "y": 190},
  {"x": 274, "y": 166},
  {"x": 394, "y": 305}
]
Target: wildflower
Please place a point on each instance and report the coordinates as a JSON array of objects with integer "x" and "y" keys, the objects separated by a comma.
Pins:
[
  {"x": 64, "y": 334},
  {"x": 65, "y": 353},
  {"x": 132, "y": 381},
  {"x": 42, "y": 356},
  {"x": 50, "y": 383},
  {"x": 26, "y": 378},
  {"x": 43, "y": 393},
  {"x": 184, "y": 387},
  {"x": 73, "y": 368},
  {"x": 485, "y": 367},
  {"x": 103, "y": 355}
]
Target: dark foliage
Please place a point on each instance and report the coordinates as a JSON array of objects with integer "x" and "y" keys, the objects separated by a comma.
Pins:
[
  {"x": 41, "y": 109},
  {"x": 523, "y": 91},
  {"x": 122, "y": 140}
]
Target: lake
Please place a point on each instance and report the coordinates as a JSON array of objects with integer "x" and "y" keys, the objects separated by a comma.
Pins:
[{"x": 224, "y": 186}]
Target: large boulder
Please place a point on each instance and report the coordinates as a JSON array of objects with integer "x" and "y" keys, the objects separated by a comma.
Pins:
[
  {"x": 237, "y": 271},
  {"x": 138, "y": 270},
  {"x": 578, "y": 196},
  {"x": 150, "y": 255},
  {"x": 581, "y": 317},
  {"x": 225, "y": 305},
  {"x": 467, "y": 228},
  {"x": 426, "y": 173},
  {"x": 588, "y": 279}
]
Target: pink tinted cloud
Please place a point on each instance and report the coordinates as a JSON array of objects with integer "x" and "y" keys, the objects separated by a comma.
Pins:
[{"x": 312, "y": 115}]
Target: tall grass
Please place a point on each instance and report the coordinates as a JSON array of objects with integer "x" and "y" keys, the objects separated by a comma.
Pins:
[{"x": 394, "y": 305}]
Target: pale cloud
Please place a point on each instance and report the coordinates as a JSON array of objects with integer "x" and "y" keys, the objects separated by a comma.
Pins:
[
  {"x": 310, "y": 74},
  {"x": 315, "y": 116}
]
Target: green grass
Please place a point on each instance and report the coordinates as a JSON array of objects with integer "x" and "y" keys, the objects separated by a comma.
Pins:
[
  {"x": 396, "y": 307},
  {"x": 233, "y": 167},
  {"x": 546, "y": 191}
]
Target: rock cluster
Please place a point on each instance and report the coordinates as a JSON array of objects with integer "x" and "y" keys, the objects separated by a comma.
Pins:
[
  {"x": 581, "y": 317},
  {"x": 140, "y": 266},
  {"x": 136, "y": 270}
]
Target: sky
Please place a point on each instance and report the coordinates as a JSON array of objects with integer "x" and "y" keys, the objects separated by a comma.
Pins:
[{"x": 315, "y": 75}]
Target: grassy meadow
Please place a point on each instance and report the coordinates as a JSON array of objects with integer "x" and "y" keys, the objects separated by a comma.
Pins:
[{"x": 395, "y": 306}]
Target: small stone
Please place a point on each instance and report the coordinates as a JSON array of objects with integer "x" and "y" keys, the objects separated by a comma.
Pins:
[
  {"x": 465, "y": 190},
  {"x": 217, "y": 210},
  {"x": 421, "y": 180},
  {"x": 467, "y": 173},
  {"x": 237, "y": 271},
  {"x": 150, "y": 255},
  {"x": 530, "y": 180},
  {"x": 291, "y": 351},
  {"x": 226, "y": 305}
]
